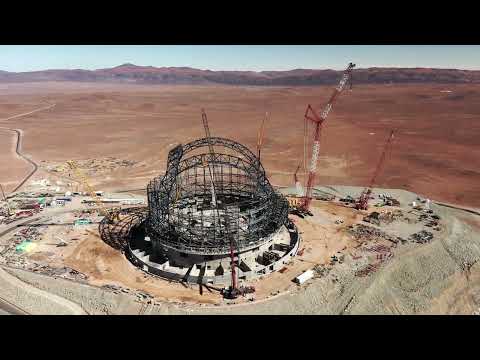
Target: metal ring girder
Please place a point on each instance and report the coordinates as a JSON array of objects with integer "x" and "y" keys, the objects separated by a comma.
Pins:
[
  {"x": 257, "y": 203},
  {"x": 252, "y": 218},
  {"x": 247, "y": 192},
  {"x": 209, "y": 238},
  {"x": 223, "y": 159},
  {"x": 193, "y": 183},
  {"x": 244, "y": 194},
  {"x": 168, "y": 183},
  {"x": 171, "y": 226},
  {"x": 206, "y": 249},
  {"x": 218, "y": 141}
]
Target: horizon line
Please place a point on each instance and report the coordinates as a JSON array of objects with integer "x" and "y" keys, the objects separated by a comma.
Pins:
[{"x": 244, "y": 70}]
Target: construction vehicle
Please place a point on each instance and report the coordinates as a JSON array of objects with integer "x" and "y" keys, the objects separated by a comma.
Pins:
[
  {"x": 294, "y": 200},
  {"x": 61, "y": 242},
  {"x": 233, "y": 291},
  {"x": 260, "y": 135},
  {"x": 111, "y": 215},
  {"x": 318, "y": 120},
  {"x": 362, "y": 201}
]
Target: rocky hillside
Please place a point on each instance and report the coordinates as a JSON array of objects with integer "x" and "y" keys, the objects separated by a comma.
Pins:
[{"x": 129, "y": 73}]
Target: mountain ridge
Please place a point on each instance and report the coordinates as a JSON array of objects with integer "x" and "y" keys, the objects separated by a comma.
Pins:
[{"x": 130, "y": 73}]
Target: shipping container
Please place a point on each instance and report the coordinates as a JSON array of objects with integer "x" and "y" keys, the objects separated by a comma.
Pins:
[{"x": 307, "y": 275}]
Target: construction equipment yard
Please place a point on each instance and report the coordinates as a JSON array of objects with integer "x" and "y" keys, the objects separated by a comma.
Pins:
[
  {"x": 352, "y": 267},
  {"x": 175, "y": 220}
]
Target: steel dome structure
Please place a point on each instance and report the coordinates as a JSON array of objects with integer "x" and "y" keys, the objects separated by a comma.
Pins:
[{"x": 186, "y": 213}]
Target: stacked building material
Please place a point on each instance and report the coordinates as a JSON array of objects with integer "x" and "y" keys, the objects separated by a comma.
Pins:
[
  {"x": 422, "y": 237},
  {"x": 364, "y": 233},
  {"x": 367, "y": 270}
]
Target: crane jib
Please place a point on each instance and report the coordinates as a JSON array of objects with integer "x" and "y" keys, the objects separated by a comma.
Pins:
[
  {"x": 311, "y": 115},
  {"x": 315, "y": 152}
]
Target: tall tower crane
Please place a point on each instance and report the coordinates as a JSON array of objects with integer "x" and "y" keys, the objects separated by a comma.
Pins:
[
  {"x": 362, "y": 201},
  {"x": 260, "y": 135},
  {"x": 233, "y": 291},
  {"x": 311, "y": 115},
  {"x": 211, "y": 168}
]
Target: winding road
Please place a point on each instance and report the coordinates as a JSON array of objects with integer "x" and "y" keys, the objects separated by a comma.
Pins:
[
  {"x": 18, "y": 148},
  {"x": 7, "y": 308}
]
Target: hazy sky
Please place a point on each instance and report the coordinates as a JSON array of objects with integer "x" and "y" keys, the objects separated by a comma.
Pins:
[{"x": 236, "y": 57}]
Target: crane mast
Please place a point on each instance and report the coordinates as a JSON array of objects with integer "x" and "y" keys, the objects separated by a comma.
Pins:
[
  {"x": 362, "y": 202},
  {"x": 234, "y": 291},
  {"x": 211, "y": 168},
  {"x": 260, "y": 135},
  {"x": 311, "y": 115}
]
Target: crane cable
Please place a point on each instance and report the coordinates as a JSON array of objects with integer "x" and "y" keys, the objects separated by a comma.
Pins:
[{"x": 305, "y": 144}]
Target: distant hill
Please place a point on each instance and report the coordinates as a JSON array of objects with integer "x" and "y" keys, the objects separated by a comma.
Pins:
[{"x": 129, "y": 73}]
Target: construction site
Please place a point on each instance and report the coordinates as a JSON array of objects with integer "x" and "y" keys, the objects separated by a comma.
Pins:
[{"x": 207, "y": 231}]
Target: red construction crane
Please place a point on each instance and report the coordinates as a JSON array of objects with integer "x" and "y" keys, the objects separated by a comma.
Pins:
[
  {"x": 233, "y": 291},
  {"x": 311, "y": 115},
  {"x": 362, "y": 201},
  {"x": 214, "y": 200}
]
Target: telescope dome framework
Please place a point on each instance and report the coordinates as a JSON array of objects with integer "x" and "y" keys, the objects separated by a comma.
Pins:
[{"x": 189, "y": 214}]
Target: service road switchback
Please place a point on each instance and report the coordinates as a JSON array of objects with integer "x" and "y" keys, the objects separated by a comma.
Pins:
[{"x": 18, "y": 147}]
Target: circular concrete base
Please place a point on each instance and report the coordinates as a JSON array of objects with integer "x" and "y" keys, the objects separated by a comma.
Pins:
[{"x": 271, "y": 256}]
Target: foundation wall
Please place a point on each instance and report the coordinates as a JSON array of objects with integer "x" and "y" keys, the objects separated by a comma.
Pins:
[{"x": 168, "y": 273}]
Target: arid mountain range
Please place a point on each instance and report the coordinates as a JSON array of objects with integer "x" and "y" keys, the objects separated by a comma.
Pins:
[{"x": 129, "y": 73}]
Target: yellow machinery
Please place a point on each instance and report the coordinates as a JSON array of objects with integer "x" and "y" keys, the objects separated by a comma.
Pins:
[{"x": 82, "y": 178}]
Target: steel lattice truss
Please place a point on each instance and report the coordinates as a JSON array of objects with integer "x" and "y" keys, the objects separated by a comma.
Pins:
[
  {"x": 117, "y": 234},
  {"x": 181, "y": 213}
]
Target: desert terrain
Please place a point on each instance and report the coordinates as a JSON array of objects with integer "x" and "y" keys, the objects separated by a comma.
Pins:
[
  {"x": 107, "y": 126},
  {"x": 436, "y": 149}
]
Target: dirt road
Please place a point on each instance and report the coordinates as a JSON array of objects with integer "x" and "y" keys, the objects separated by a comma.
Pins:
[
  {"x": 31, "y": 299},
  {"x": 18, "y": 147},
  {"x": 28, "y": 113},
  {"x": 7, "y": 308}
]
